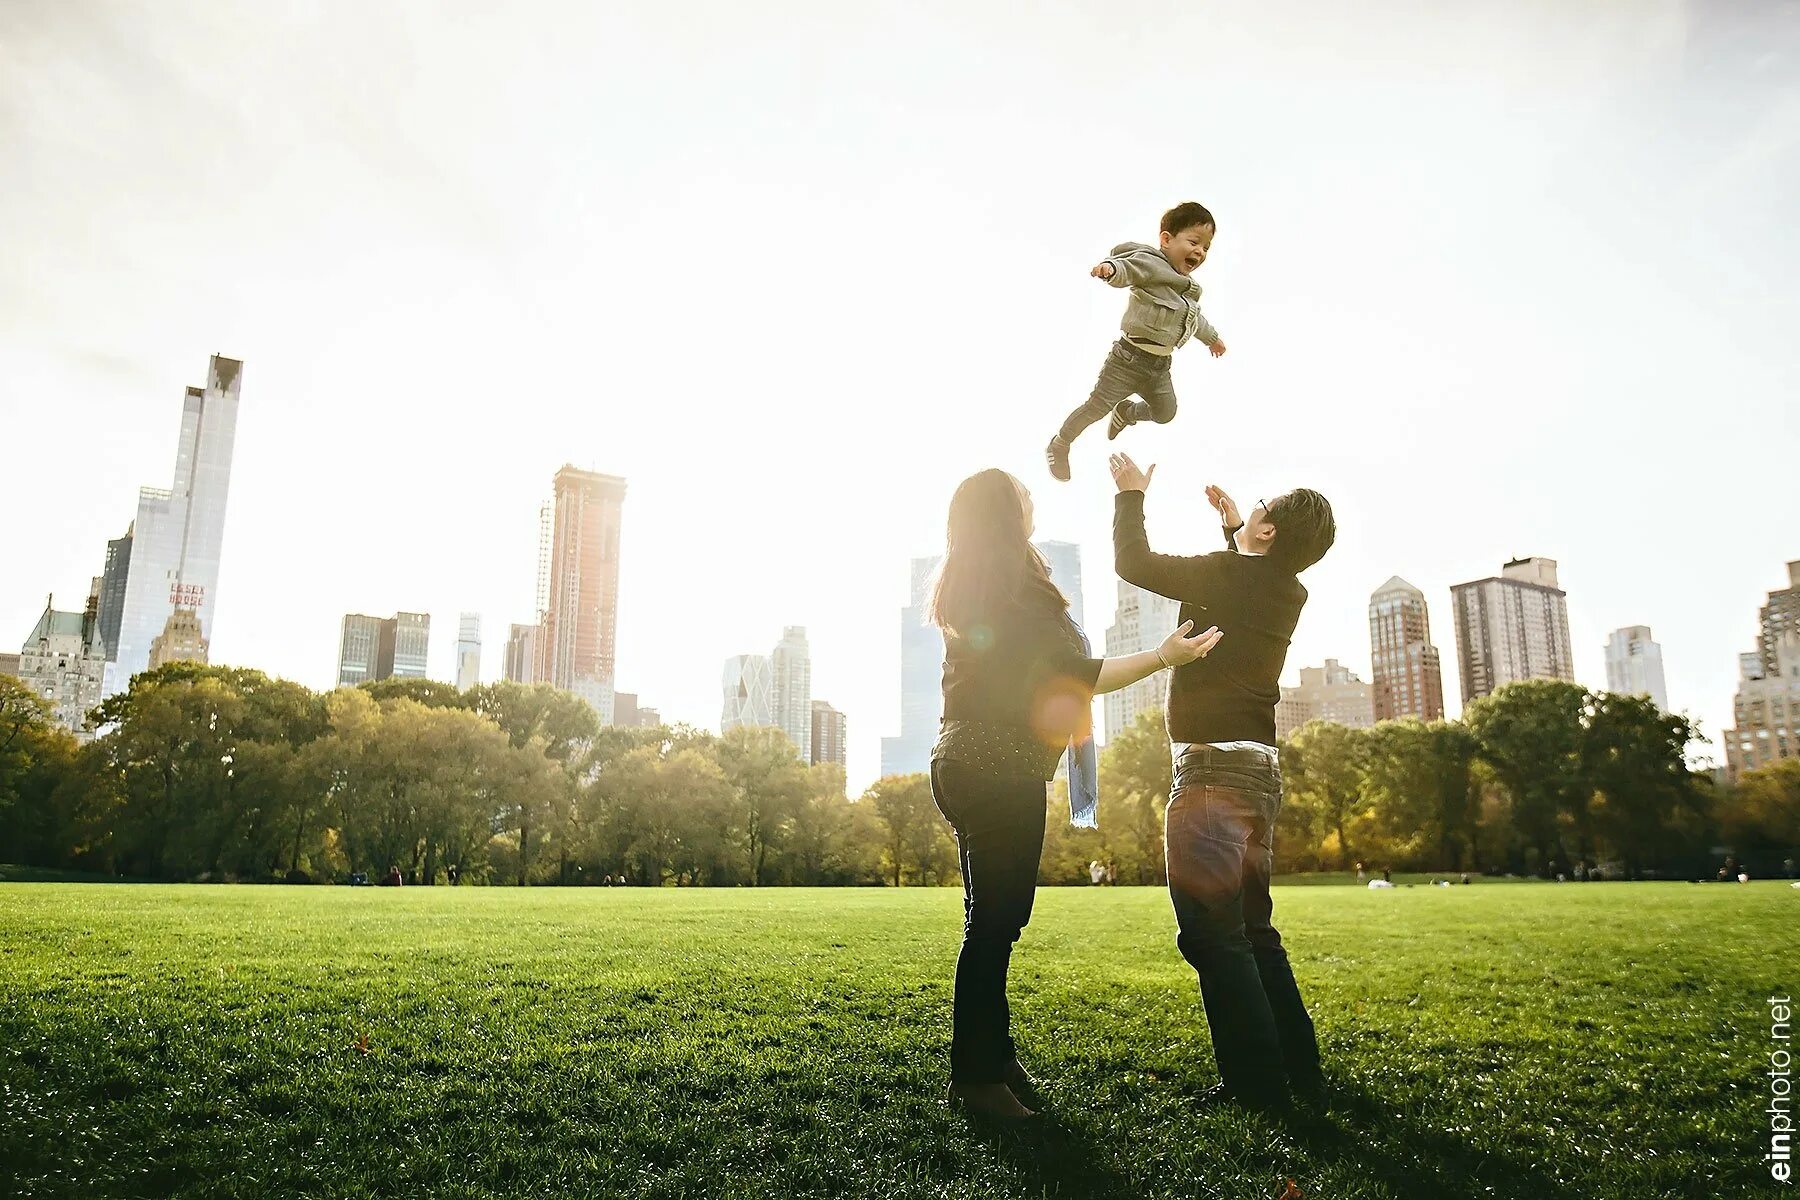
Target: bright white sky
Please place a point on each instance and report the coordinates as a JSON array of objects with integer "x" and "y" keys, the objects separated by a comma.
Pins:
[{"x": 1500, "y": 280}]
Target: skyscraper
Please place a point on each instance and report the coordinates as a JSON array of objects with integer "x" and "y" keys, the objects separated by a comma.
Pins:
[
  {"x": 1408, "y": 678},
  {"x": 748, "y": 691},
  {"x": 372, "y": 648},
  {"x": 1634, "y": 665},
  {"x": 1766, "y": 712},
  {"x": 64, "y": 661},
  {"x": 521, "y": 654},
  {"x": 176, "y": 538},
  {"x": 791, "y": 689},
  {"x": 1512, "y": 626},
  {"x": 578, "y": 641},
  {"x": 1143, "y": 620},
  {"x": 1328, "y": 693},
  {"x": 468, "y": 651},
  {"x": 921, "y": 677},
  {"x": 1780, "y": 617},
  {"x": 112, "y": 592},
  {"x": 1064, "y": 559},
  {"x": 829, "y": 735}
]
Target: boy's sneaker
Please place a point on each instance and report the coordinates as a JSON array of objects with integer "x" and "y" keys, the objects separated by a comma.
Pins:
[
  {"x": 1121, "y": 417},
  {"x": 1057, "y": 455}
]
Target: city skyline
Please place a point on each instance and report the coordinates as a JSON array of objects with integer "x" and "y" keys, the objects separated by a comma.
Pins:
[{"x": 1441, "y": 309}]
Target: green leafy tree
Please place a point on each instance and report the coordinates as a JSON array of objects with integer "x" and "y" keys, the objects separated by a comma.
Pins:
[
  {"x": 1322, "y": 780},
  {"x": 770, "y": 785},
  {"x": 1763, "y": 811},
  {"x": 431, "y": 693},
  {"x": 1643, "y": 802},
  {"x": 1135, "y": 777},
  {"x": 1531, "y": 737},
  {"x": 1419, "y": 793},
  {"x": 37, "y": 756},
  {"x": 909, "y": 818}
]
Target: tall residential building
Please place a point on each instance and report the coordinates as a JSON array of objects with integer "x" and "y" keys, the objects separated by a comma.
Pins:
[
  {"x": 1634, "y": 665},
  {"x": 1408, "y": 678},
  {"x": 521, "y": 654},
  {"x": 372, "y": 648},
  {"x": 404, "y": 641},
  {"x": 112, "y": 591},
  {"x": 180, "y": 640},
  {"x": 1766, "y": 711},
  {"x": 1512, "y": 626},
  {"x": 790, "y": 689},
  {"x": 577, "y": 646},
  {"x": 922, "y": 658},
  {"x": 748, "y": 689},
  {"x": 1143, "y": 620},
  {"x": 829, "y": 735},
  {"x": 178, "y": 532},
  {"x": 468, "y": 651},
  {"x": 358, "y": 643},
  {"x": 64, "y": 661},
  {"x": 1780, "y": 617},
  {"x": 9, "y": 664},
  {"x": 1328, "y": 693}
]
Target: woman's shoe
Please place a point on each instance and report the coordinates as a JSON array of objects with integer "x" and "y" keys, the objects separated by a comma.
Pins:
[{"x": 989, "y": 1101}]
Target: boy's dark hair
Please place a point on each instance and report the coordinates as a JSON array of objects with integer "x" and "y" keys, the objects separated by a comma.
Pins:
[
  {"x": 1304, "y": 528},
  {"x": 1186, "y": 216}
]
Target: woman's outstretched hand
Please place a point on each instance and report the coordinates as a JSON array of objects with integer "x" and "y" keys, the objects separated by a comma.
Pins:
[
  {"x": 1178, "y": 648},
  {"x": 1128, "y": 476}
]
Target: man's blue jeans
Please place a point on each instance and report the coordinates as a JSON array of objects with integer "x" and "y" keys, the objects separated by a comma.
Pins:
[{"x": 1219, "y": 835}]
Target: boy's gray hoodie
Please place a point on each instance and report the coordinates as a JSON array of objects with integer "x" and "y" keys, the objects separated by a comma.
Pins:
[{"x": 1165, "y": 304}]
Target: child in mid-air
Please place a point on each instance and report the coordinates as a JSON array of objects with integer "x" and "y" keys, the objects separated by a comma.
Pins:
[{"x": 1164, "y": 312}]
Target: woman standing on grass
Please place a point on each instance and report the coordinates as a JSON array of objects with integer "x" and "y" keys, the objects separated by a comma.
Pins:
[{"x": 1019, "y": 684}]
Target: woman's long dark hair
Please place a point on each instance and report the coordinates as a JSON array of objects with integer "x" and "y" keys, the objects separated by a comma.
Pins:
[{"x": 990, "y": 567}]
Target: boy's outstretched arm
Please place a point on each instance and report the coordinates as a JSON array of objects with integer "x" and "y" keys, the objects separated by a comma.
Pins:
[
  {"x": 1174, "y": 576},
  {"x": 1131, "y": 264}
]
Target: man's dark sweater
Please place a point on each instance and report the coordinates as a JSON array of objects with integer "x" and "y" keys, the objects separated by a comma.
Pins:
[{"x": 1230, "y": 695}]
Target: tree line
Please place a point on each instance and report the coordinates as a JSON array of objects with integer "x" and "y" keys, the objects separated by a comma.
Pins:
[
  {"x": 223, "y": 773},
  {"x": 1532, "y": 780}
]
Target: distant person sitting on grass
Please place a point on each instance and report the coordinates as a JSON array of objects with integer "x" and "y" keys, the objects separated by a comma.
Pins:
[
  {"x": 1019, "y": 685},
  {"x": 1219, "y": 833}
]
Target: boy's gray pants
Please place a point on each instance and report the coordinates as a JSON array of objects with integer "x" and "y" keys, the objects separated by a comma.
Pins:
[{"x": 1128, "y": 371}]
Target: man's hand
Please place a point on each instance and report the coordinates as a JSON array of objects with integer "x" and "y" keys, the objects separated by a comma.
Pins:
[
  {"x": 1103, "y": 271},
  {"x": 1218, "y": 349},
  {"x": 1227, "y": 507},
  {"x": 1127, "y": 476}
]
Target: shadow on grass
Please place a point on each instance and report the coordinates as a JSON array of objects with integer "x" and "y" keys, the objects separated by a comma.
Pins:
[
  {"x": 1363, "y": 1135},
  {"x": 1055, "y": 1156}
]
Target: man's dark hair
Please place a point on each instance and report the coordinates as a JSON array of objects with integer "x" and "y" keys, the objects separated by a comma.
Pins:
[
  {"x": 1186, "y": 216},
  {"x": 1304, "y": 528}
]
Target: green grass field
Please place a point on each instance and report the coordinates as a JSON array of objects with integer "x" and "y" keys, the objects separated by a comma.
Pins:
[{"x": 1536, "y": 1040}]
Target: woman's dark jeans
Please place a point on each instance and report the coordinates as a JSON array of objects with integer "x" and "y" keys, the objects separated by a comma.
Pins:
[
  {"x": 1219, "y": 835},
  {"x": 999, "y": 823}
]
